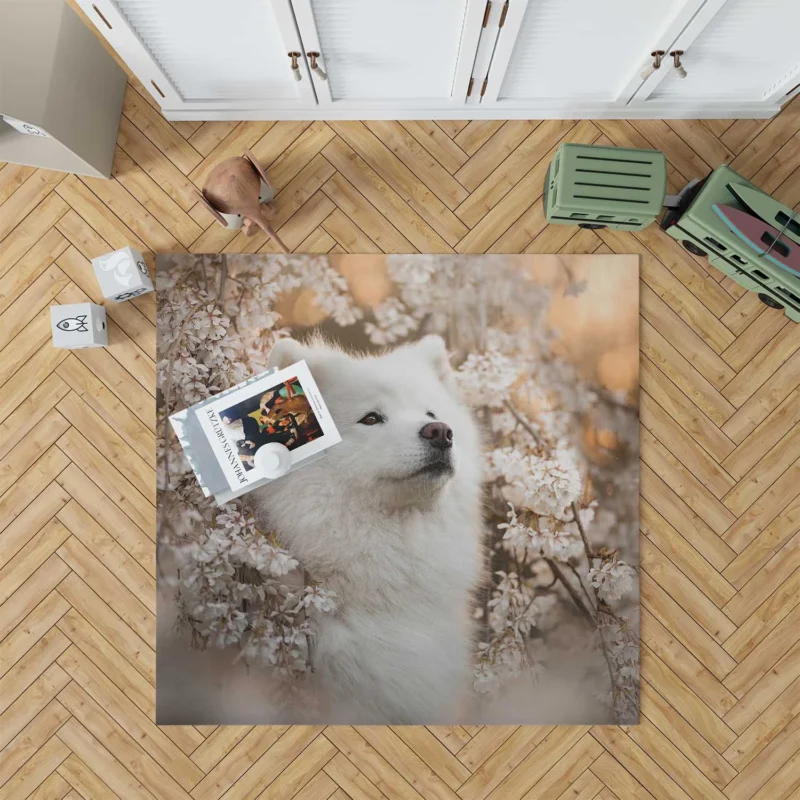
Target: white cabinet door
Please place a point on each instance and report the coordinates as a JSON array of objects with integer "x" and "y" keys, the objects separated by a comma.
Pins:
[
  {"x": 412, "y": 59},
  {"x": 208, "y": 54},
  {"x": 734, "y": 50},
  {"x": 563, "y": 55},
  {"x": 405, "y": 55}
]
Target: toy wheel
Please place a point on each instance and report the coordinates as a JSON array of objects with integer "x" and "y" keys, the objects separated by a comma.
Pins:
[
  {"x": 693, "y": 248},
  {"x": 592, "y": 226},
  {"x": 769, "y": 301}
]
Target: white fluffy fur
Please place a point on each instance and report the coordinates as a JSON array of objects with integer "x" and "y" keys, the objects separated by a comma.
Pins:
[{"x": 402, "y": 553}]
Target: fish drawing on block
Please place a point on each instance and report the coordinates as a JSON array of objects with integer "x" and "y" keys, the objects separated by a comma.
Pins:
[
  {"x": 761, "y": 237},
  {"x": 77, "y": 324}
]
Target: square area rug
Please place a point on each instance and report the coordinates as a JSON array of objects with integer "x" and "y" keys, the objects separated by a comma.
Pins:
[{"x": 468, "y": 553}]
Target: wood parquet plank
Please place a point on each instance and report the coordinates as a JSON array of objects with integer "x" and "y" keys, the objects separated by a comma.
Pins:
[
  {"x": 394, "y": 191},
  {"x": 12, "y": 176},
  {"x": 30, "y": 267},
  {"x": 236, "y": 762},
  {"x": 680, "y": 734},
  {"x": 36, "y": 770},
  {"x": 25, "y": 749},
  {"x": 288, "y": 146},
  {"x": 83, "y": 781},
  {"x": 438, "y": 144},
  {"x": 101, "y": 763},
  {"x": 720, "y": 509},
  {"x": 136, "y": 651},
  {"x": 780, "y": 531},
  {"x": 32, "y": 720}
]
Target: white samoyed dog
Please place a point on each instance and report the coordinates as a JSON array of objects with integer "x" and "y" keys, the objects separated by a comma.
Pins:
[{"x": 389, "y": 519}]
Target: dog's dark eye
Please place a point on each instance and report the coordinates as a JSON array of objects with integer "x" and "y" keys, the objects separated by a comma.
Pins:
[
  {"x": 430, "y": 414},
  {"x": 373, "y": 418}
]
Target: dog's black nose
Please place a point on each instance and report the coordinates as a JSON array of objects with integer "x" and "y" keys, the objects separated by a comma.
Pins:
[{"x": 438, "y": 434}]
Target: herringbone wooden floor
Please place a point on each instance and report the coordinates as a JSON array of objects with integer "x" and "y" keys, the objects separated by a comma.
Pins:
[{"x": 720, "y": 504}]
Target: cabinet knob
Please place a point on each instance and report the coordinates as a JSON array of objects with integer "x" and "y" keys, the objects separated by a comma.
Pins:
[
  {"x": 295, "y": 66},
  {"x": 676, "y": 59},
  {"x": 315, "y": 68},
  {"x": 657, "y": 56}
]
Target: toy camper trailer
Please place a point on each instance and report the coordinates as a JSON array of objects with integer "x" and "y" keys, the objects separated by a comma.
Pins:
[{"x": 605, "y": 187}]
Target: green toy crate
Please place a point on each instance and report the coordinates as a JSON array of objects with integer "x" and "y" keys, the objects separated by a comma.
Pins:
[
  {"x": 696, "y": 225},
  {"x": 605, "y": 187}
]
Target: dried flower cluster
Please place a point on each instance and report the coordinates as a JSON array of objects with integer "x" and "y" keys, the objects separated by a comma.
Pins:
[{"x": 561, "y": 523}]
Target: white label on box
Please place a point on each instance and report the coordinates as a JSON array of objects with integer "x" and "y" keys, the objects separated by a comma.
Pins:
[{"x": 26, "y": 127}]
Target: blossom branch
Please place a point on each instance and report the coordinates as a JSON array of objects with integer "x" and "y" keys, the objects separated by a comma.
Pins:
[
  {"x": 589, "y": 554},
  {"x": 523, "y": 422},
  {"x": 583, "y": 587},
  {"x": 601, "y": 607},
  {"x": 576, "y": 598}
]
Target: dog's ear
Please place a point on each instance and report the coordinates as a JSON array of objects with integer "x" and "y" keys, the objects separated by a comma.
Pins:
[
  {"x": 285, "y": 352},
  {"x": 434, "y": 350}
]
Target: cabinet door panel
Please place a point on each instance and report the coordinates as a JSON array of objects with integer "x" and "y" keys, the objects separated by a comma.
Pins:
[
  {"x": 416, "y": 52},
  {"x": 223, "y": 55},
  {"x": 577, "y": 50},
  {"x": 746, "y": 52}
]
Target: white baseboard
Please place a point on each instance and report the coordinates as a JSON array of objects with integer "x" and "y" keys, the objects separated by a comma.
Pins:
[{"x": 648, "y": 111}]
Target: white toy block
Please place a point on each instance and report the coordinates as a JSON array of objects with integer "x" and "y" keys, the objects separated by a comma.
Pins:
[
  {"x": 122, "y": 274},
  {"x": 78, "y": 325}
]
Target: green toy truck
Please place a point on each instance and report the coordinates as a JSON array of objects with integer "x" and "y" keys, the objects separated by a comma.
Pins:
[
  {"x": 700, "y": 230},
  {"x": 599, "y": 187}
]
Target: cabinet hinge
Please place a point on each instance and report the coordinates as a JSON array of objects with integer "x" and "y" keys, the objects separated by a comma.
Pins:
[
  {"x": 486, "y": 13},
  {"x": 483, "y": 88},
  {"x": 469, "y": 88},
  {"x": 503, "y": 15}
]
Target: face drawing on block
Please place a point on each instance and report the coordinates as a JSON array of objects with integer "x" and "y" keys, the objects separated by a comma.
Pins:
[
  {"x": 120, "y": 265},
  {"x": 76, "y": 324}
]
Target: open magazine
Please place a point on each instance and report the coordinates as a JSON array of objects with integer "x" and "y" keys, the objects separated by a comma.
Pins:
[{"x": 223, "y": 434}]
